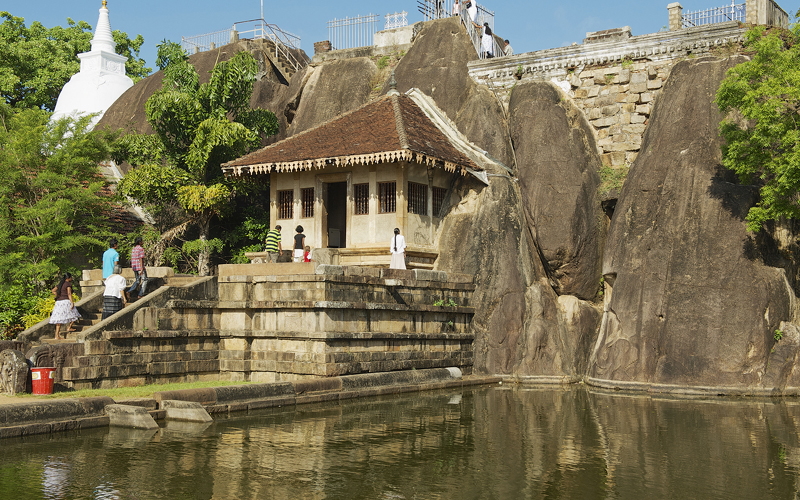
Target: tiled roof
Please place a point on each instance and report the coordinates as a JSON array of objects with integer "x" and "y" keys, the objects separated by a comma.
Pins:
[{"x": 390, "y": 129}]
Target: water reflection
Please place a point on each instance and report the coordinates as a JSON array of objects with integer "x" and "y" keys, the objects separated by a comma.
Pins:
[{"x": 484, "y": 443}]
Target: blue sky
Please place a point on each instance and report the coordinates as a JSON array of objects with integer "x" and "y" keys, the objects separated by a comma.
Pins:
[{"x": 530, "y": 25}]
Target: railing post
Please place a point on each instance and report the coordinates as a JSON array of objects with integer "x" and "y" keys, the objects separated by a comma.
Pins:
[
  {"x": 675, "y": 16},
  {"x": 751, "y": 8},
  {"x": 234, "y": 36}
]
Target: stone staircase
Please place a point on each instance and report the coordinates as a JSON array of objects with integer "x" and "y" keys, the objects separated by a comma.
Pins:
[
  {"x": 282, "y": 59},
  {"x": 91, "y": 305}
]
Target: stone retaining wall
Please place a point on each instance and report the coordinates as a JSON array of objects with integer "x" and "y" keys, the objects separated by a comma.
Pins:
[
  {"x": 48, "y": 416},
  {"x": 332, "y": 320}
]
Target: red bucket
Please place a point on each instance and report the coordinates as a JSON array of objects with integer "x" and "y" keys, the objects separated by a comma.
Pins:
[{"x": 42, "y": 379}]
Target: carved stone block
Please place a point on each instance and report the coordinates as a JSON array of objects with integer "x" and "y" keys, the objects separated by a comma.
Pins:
[{"x": 13, "y": 372}]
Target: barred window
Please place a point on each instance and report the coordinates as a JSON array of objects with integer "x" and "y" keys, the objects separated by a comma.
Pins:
[
  {"x": 286, "y": 204},
  {"x": 307, "y": 195},
  {"x": 361, "y": 196},
  {"x": 438, "y": 200},
  {"x": 417, "y": 198},
  {"x": 387, "y": 197}
]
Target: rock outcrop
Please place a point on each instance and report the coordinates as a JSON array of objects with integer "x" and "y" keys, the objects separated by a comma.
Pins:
[
  {"x": 693, "y": 304},
  {"x": 437, "y": 65},
  {"x": 559, "y": 177},
  {"x": 332, "y": 89}
]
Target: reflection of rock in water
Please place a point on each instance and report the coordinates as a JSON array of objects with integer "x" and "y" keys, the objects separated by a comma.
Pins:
[{"x": 499, "y": 442}]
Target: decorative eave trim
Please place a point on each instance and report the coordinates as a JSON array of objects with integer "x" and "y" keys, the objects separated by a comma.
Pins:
[{"x": 346, "y": 161}]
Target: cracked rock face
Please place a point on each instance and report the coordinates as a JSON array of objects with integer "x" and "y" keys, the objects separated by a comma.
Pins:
[
  {"x": 558, "y": 175},
  {"x": 692, "y": 302}
]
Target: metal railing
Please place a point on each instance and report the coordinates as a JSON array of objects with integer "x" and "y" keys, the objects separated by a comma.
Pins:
[
  {"x": 208, "y": 41},
  {"x": 286, "y": 44},
  {"x": 476, "y": 34},
  {"x": 396, "y": 20},
  {"x": 352, "y": 32},
  {"x": 715, "y": 15},
  {"x": 436, "y": 9}
]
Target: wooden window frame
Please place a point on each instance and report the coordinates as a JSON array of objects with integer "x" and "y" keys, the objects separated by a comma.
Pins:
[
  {"x": 361, "y": 199},
  {"x": 307, "y": 197},
  {"x": 417, "y": 198},
  {"x": 387, "y": 197},
  {"x": 286, "y": 204},
  {"x": 439, "y": 194}
]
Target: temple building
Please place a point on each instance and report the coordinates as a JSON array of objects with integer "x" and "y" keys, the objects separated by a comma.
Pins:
[
  {"x": 391, "y": 163},
  {"x": 101, "y": 80}
]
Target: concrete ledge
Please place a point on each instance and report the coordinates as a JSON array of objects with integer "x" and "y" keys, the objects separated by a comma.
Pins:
[
  {"x": 44, "y": 411},
  {"x": 205, "y": 396},
  {"x": 18, "y": 420},
  {"x": 687, "y": 390},
  {"x": 253, "y": 391},
  {"x": 185, "y": 411},
  {"x": 131, "y": 417}
]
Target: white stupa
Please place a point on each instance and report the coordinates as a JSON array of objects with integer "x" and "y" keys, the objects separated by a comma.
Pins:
[{"x": 101, "y": 80}]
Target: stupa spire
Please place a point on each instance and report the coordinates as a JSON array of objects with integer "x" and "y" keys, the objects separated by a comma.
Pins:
[{"x": 103, "y": 39}]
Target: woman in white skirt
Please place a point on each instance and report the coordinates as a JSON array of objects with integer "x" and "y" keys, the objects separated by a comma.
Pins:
[
  {"x": 64, "y": 311},
  {"x": 398, "y": 248}
]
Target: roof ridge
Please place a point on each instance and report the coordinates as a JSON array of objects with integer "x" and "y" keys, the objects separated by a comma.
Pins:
[{"x": 398, "y": 121}]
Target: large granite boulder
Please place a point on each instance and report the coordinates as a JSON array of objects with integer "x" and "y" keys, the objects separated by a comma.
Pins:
[
  {"x": 332, "y": 89},
  {"x": 692, "y": 303},
  {"x": 522, "y": 328},
  {"x": 559, "y": 168},
  {"x": 482, "y": 121},
  {"x": 437, "y": 65}
]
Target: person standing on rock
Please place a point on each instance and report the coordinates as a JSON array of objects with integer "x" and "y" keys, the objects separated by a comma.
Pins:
[
  {"x": 273, "y": 244},
  {"x": 110, "y": 258},
  {"x": 487, "y": 41},
  {"x": 64, "y": 312},
  {"x": 456, "y": 8},
  {"x": 114, "y": 294},
  {"x": 398, "y": 248},
  {"x": 299, "y": 244},
  {"x": 139, "y": 271},
  {"x": 508, "y": 50},
  {"x": 472, "y": 10}
]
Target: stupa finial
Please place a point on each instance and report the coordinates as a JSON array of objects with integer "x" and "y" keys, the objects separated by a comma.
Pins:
[{"x": 104, "y": 4}]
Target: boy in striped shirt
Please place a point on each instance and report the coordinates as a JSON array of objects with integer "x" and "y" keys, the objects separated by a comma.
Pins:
[{"x": 273, "y": 244}]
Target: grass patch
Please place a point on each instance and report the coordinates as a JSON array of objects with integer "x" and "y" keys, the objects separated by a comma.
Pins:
[
  {"x": 385, "y": 66},
  {"x": 612, "y": 178},
  {"x": 142, "y": 391}
]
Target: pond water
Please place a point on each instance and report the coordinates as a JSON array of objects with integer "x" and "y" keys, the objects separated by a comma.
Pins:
[{"x": 497, "y": 442}]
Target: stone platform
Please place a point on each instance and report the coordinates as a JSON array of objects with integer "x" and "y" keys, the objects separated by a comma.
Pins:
[{"x": 284, "y": 322}]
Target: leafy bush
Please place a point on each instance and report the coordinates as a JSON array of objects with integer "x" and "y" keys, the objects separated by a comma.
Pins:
[
  {"x": 16, "y": 301},
  {"x": 42, "y": 310},
  {"x": 241, "y": 258}
]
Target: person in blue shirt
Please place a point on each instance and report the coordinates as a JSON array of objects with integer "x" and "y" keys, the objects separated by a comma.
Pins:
[{"x": 110, "y": 258}]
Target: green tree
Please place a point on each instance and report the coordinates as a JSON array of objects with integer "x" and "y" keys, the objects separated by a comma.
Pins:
[
  {"x": 761, "y": 101},
  {"x": 36, "y": 62},
  {"x": 52, "y": 208},
  {"x": 197, "y": 128}
]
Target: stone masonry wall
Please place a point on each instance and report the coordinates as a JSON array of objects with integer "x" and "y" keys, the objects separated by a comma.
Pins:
[
  {"x": 617, "y": 101},
  {"x": 615, "y": 81}
]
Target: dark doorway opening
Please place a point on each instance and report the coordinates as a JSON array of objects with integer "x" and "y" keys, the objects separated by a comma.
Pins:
[{"x": 336, "y": 206}]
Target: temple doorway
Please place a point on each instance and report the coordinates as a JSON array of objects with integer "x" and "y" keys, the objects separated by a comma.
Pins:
[{"x": 336, "y": 208}]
